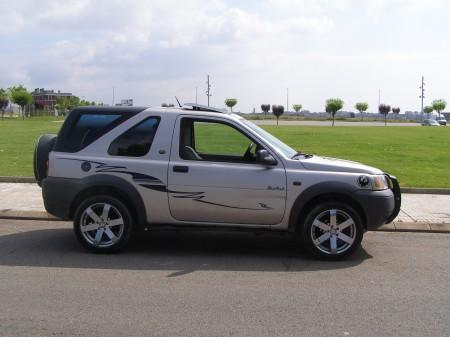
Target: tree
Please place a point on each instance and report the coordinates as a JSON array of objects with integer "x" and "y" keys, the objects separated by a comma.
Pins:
[
  {"x": 231, "y": 102},
  {"x": 20, "y": 96},
  {"x": 332, "y": 106},
  {"x": 265, "y": 108},
  {"x": 396, "y": 110},
  {"x": 65, "y": 104},
  {"x": 4, "y": 101},
  {"x": 439, "y": 105},
  {"x": 277, "y": 110},
  {"x": 428, "y": 109},
  {"x": 297, "y": 107},
  {"x": 384, "y": 109},
  {"x": 361, "y": 107}
]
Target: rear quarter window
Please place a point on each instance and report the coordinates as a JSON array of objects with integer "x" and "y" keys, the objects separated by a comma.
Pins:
[{"x": 136, "y": 141}]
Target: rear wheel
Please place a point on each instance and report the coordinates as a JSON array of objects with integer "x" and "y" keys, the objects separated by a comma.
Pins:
[
  {"x": 332, "y": 230},
  {"x": 103, "y": 224}
]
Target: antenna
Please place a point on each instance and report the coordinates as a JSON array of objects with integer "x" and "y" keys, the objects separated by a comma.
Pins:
[{"x": 179, "y": 104}]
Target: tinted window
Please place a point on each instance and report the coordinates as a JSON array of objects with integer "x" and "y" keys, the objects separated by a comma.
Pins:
[
  {"x": 135, "y": 142},
  {"x": 88, "y": 128}
]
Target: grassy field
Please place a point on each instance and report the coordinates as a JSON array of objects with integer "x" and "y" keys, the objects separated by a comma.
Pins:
[{"x": 419, "y": 157}]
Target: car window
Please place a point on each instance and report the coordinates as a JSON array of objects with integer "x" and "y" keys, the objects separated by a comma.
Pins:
[
  {"x": 88, "y": 128},
  {"x": 135, "y": 142},
  {"x": 215, "y": 141}
]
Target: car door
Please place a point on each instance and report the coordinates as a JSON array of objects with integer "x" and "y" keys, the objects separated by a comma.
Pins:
[{"x": 214, "y": 177}]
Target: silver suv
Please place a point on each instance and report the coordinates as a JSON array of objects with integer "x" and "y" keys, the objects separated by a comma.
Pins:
[{"x": 115, "y": 171}]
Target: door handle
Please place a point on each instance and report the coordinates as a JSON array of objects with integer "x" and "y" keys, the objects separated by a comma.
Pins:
[{"x": 181, "y": 169}]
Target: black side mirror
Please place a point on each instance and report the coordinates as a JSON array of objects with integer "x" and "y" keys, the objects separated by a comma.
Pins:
[{"x": 265, "y": 158}]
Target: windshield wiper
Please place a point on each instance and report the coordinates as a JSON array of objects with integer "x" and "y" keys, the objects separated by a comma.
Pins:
[{"x": 301, "y": 154}]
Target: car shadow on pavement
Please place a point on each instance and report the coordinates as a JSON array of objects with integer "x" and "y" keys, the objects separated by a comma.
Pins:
[{"x": 179, "y": 253}]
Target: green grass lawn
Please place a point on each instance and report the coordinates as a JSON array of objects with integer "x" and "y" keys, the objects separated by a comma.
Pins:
[
  {"x": 17, "y": 140},
  {"x": 418, "y": 156}
]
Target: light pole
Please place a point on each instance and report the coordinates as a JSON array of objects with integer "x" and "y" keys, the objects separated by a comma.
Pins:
[
  {"x": 422, "y": 96},
  {"x": 208, "y": 89},
  {"x": 287, "y": 100}
]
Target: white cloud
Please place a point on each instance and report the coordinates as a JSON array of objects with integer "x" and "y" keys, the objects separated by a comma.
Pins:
[{"x": 151, "y": 50}]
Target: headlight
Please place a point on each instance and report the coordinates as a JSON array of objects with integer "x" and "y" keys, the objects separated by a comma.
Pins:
[{"x": 379, "y": 182}]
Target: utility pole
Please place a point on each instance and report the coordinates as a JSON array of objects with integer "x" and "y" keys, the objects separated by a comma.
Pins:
[
  {"x": 422, "y": 96},
  {"x": 379, "y": 97},
  {"x": 113, "y": 97},
  {"x": 196, "y": 95},
  {"x": 208, "y": 89},
  {"x": 287, "y": 99}
]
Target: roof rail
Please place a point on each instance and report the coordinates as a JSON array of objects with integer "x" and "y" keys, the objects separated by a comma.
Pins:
[{"x": 199, "y": 107}]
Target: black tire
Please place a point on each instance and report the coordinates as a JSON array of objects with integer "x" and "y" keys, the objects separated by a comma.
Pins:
[
  {"x": 43, "y": 147},
  {"x": 118, "y": 207},
  {"x": 342, "y": 210}
]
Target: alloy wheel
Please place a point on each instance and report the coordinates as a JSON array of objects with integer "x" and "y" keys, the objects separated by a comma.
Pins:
[
  {"x": 333, "y": 231},
  {"x": 102, "y": 225}
]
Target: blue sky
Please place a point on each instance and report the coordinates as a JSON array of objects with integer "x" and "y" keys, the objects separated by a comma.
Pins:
[{"x": 253, "y": 50}]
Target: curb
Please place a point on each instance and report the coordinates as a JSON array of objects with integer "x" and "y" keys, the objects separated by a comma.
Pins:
[
  {"x": 393, "y": 227},
  {"x": 406, "y": 190},
  {"x": 27, "y": 215},
  {"x": 413, "y": 190},
  {"x": 29, "y": 180}
]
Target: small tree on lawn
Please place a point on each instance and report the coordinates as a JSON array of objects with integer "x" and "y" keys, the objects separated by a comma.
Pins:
[
  {"x": 428, "y": 109},
  {"x": 231, "y": 102},
  {"x": 332, "y": 106},
  {"x": 297, "y": 107},
  {"x": 439, "y": 105},
  {"x": 4, "y": 101},
  {"x": 20, "y": 96},
  {"x": 265, "y": 108},
  {"x": 361, "y": 107},
  {"x": 277, "y": 110},
  {"x": 384, "y": 109}
]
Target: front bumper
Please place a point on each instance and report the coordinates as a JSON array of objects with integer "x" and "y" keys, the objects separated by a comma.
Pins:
[{"x": 380, "y": 207}]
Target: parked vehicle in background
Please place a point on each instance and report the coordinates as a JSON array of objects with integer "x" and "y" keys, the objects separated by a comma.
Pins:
[
  {"x": 441, "y": 121},
  {"x": 115, "y": 171},
  {"x": 430, "y": 122}
]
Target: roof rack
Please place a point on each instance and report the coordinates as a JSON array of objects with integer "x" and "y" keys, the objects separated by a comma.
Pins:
[{"x": 199, "y": 107}]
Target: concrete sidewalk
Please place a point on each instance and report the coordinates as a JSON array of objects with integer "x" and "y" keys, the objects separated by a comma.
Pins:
[{"x": 419, "y": 213}]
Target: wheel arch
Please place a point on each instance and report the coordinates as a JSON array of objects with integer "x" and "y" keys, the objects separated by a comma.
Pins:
[
  {"x": 117, "y": 187},
  {"x": 321, "y": 192}
]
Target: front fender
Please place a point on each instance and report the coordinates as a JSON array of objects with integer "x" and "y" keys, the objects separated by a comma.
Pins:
[{"x": 320, "y": 190}]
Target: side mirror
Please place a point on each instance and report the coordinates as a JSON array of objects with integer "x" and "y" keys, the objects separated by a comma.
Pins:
[{"x": 265, "y": 158}]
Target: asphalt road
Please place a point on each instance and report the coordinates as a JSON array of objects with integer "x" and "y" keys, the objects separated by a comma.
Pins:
[{"x": 217, "y": 284}]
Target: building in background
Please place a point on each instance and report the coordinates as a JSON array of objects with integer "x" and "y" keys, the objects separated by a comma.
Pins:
[
  {"x": 125, "y": 102},
  {"x": 46, "y": 99}
]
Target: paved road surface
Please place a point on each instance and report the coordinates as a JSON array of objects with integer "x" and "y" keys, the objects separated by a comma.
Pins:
[
  {"x": 211, "y": 284},
  {"x": 328, "y": 123}
]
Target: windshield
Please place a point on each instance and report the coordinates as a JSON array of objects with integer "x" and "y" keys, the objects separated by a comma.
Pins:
[{"x": 275, "y": 142}]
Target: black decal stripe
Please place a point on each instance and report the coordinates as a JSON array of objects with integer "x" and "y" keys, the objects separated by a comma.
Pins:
[
  {"x": 106, "y": 168},
  {"x": 199, "y": 197}
]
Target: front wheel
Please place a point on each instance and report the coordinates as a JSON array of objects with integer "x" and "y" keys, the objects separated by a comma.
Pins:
[
  {"x": 103, "y": 224},
  {"x": 332, "y": 230}
]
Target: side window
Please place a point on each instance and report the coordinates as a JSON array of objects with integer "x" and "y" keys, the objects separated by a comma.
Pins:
[
  {"x": 215, "y": 141},
  {"x": 135, "y": 142},
  {"x": 88, "y": 128}
]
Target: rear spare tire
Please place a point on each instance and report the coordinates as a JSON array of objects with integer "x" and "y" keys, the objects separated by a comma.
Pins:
[{"x": 44, "y": 145}]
